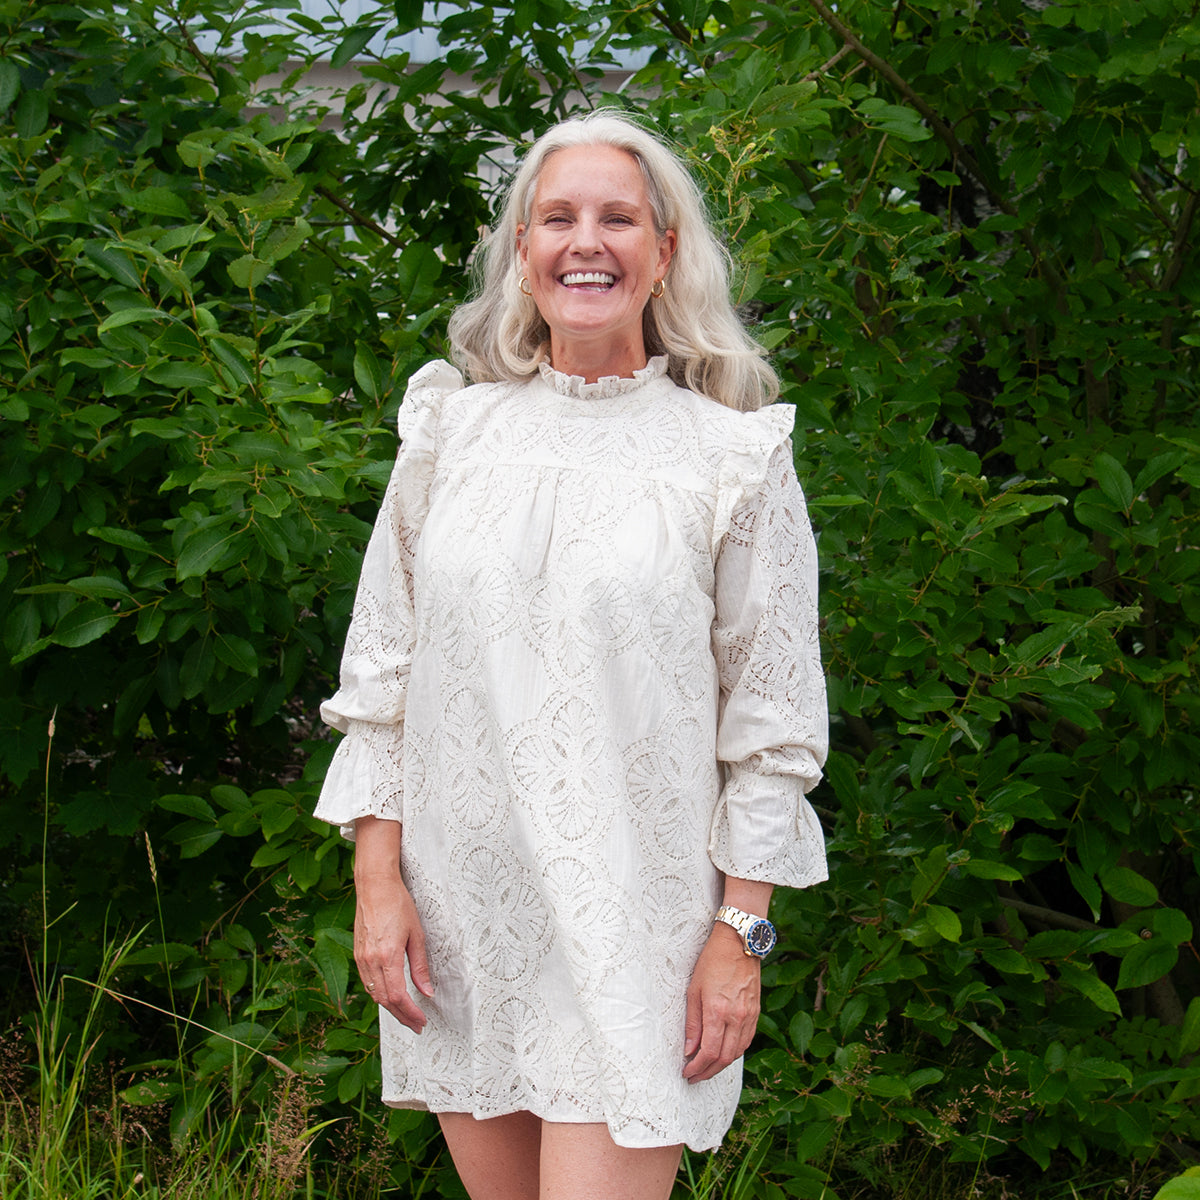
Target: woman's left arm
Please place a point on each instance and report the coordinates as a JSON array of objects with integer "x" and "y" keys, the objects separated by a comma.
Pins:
[
  {"x": 771, "y": 740},
  {"x": 723, "y": 997}
]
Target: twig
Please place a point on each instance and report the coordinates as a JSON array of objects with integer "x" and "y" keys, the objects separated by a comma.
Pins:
[
  {"x": 829, "y": 64},
  {"x": 359, "y": 218}
]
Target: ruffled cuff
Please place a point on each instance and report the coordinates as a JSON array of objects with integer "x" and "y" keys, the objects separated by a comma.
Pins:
[
  {"x": 764, "y": 828},
  {"x": 365, "y": 777},
  {"x": 745, "y": 465}
]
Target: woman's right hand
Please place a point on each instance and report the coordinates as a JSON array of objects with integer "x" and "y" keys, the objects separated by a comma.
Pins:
[{"x": 387, "y": 929}]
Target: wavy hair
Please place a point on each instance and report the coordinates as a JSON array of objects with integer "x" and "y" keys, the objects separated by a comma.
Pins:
[{"x": 499, "y": 334}]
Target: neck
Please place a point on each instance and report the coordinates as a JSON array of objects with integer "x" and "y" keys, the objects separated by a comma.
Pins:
[{"x": 598, "y": 361}]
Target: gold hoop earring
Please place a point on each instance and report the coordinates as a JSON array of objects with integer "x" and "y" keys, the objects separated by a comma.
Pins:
[
  {"x": 526, "y": 290},
  {"x": 657, "y": 288}
]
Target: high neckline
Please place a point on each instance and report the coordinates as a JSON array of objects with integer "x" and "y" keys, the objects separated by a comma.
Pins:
[{"x": 607, "y": 386}]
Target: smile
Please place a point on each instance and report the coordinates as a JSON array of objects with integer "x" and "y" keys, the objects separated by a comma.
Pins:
[{"x": 585, "y": 278}]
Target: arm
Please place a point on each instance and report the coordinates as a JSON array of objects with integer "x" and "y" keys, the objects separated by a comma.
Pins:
[
  {"x": 771, "y": 739},
  {"x": 723, "y": 998},
  {"x": 386, "y": 926}
]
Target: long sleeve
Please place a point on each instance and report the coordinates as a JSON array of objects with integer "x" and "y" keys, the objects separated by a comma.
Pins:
[
  {"x": 365, "y": 777},
  {"x": 772, "y": 735}
]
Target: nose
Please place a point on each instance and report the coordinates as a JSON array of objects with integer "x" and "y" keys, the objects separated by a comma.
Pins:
[{"x": 586, "y": 236}]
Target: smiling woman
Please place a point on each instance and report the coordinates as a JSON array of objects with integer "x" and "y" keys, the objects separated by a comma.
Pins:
[
  {"x": 582, "y": 693},
  {"x": 593, "y": 255}
]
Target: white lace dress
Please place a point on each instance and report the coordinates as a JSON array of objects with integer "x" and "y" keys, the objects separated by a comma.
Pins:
[{"x": 583, "y": 672}]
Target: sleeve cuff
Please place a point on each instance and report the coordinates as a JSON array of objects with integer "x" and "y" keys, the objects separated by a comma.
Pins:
[
  {"x": 365, "y": 777},
  {"x": 765, "y": 829}
]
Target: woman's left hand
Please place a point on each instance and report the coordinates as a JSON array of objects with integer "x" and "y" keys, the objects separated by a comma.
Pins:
[{"x": 722, "y": 1005}]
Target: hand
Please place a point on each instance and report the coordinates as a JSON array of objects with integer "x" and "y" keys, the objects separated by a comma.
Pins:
[
  {"x": 386, "y": 930},
  {"x": 722, "y": 1005}
]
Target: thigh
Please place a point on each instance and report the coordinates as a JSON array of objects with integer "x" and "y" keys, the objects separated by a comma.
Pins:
[
  {"x": 496, "y": 1158},
  {"x": 582, "y": 1162}
]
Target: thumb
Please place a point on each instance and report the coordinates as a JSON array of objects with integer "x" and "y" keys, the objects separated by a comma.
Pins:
[{"x": 418, "y": 962}]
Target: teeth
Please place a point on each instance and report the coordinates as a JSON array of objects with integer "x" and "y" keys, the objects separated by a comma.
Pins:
[{"x": 578, "y": 277}]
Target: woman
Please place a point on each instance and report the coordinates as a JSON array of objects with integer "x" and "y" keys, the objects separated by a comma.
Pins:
[{"x": 582, "y": 692}]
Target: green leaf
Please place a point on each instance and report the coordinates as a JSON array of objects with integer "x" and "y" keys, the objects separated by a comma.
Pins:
[
  {"x": 150, "y": 1091},
  {"x": 161, "y": 202},
  {"x": 237, "y": 652},
  {"x": 1183, "y": 1187},
  {"x": 1085, "y": 981},
  {"x": 1114, "y": 482},
  {"x": 1129, "y": 887},
  {"x": 1172, "y": 924},
  {"x": 1053, "y": 90},
  {"x": 186, "y": 805},
  {"x": 132, "y": 316},
  {"x": 333, "y": 961},
  {"x": 945, "y": 921},
  {"x": 85, "y": 623},
  {"x": 204, "y": 548},
  {"x": 1149, "y": 960},
  {"x": 183, "y": 375},
  {"x": 32, "y": 113},
  {"x": 1189, "y": 1032},
  {"x": 368, "y": 371},
  {"x": 116, "y": 264},
  {"x": 983, "y": 869},
  {"x": 352, "y": 45},
  {"x": 304, "y": 869},
  {"x": 10, "y": 83},
  {"x": 248, "y": 272}
]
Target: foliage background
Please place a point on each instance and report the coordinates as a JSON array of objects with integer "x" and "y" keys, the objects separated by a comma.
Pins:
[{"x": 967, "y": 234}]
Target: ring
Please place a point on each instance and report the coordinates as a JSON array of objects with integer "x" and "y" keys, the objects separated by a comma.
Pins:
[{"x": 370, "y": 987}]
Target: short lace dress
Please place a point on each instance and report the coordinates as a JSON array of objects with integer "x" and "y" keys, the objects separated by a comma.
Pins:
[{"x": 583, "y": 672}]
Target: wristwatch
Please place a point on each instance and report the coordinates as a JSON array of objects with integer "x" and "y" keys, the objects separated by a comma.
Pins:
[{"x": 757, "y": 933}]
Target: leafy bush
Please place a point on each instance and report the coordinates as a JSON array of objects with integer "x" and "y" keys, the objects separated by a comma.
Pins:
[{"x": 967, "y": 235}]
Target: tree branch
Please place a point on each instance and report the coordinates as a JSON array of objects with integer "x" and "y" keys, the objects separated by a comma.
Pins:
[
  {"x": 359, "y": 218},
  {"x": 943, "y": 131},
  {"x": 1049, "y": 916},
  {"x": 1182, "y": 233}
]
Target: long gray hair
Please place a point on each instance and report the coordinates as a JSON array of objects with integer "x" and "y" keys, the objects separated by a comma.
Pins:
[{"x": 500, "y": 335}]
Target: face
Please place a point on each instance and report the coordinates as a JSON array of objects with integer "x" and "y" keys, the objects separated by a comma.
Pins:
[{"x": 591, "y": 254}]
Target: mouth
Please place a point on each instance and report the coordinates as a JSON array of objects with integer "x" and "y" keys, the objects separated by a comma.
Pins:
[{"x": 593, "y": 281}]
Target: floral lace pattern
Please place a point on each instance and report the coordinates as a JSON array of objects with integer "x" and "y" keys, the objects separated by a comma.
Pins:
[{"x": 583, "y": 672}]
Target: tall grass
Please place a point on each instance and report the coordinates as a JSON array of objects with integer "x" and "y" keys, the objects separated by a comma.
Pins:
[{"x": 67, "y": 1133}]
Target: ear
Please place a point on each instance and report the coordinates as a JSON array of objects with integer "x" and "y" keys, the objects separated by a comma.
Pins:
[
  {"x": 522, "y": 245},
  {"x": 666, "y": 251}
]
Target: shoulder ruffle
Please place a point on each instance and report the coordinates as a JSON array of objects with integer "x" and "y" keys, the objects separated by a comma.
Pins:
[
  {"x": 423, "y": 396},
  {"x": 754, "y": 437}
]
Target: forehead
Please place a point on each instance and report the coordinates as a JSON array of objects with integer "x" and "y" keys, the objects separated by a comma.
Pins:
[{"x": 598, "y": 174}]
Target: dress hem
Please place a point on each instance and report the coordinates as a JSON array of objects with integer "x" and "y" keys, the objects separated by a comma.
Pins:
[{"x": 698, "y": 1146}]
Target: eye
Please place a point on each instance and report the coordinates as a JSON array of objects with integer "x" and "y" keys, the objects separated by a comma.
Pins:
[{"x": 556, "y": 219}]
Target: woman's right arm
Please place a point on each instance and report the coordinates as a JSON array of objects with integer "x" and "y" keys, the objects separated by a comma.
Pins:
[{"x": 386, "y": 926}]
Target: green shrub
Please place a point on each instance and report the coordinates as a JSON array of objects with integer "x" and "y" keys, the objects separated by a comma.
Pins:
[{"x": 967, "y": 235}]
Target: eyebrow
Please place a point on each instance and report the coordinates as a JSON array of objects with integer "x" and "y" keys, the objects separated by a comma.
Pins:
[{"x": 608, "y": 206}]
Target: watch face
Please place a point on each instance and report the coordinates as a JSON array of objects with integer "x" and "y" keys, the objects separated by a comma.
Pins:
[{"x": 760, "y": 937}]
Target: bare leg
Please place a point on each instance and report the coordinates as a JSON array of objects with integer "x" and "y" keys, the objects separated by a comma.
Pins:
[
  {"x": 582, "y": 1162},
  {"x": 496, "y": 1158}
]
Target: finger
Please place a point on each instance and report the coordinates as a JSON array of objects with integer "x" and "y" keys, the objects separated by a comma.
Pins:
[
  {"x": 709, "y": 1049},
  {"x": 418, "y": 962},
  {"x": 395, "y": 997},
  {"x": 692, "y": 1026}
]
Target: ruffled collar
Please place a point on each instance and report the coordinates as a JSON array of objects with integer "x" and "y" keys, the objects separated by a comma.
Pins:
[{"x": 607, "y": 386}]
